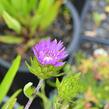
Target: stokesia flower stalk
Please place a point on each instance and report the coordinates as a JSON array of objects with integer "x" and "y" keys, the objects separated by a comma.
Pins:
[
  {"x": 48, "y": 60},
  {"x": 50, "y": 52}
]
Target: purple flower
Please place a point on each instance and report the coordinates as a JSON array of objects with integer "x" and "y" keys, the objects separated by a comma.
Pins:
[{"x": 50, "y": 52}]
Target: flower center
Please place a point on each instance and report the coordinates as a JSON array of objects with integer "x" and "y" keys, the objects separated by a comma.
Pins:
[{"x": 48, "y": 58}]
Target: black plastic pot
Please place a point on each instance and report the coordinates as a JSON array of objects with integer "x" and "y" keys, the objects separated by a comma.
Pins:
[
  {"x": 73, "y": 44},
  {"x": 79, "y": 5}
]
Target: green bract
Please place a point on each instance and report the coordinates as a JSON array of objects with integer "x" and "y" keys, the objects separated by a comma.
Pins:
[
  {"x": 69, "y": 87},
  {"x": 41, "y": 71}
]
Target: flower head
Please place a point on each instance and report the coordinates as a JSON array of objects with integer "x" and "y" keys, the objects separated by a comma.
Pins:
[{"x": 50, "y": 52}]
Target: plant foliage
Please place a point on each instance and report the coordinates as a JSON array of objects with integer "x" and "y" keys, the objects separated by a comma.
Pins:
[{"x": 9, "y": 77}]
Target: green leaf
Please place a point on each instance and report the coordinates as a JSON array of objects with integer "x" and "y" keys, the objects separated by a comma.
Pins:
[
  {"x": 10, "y": 105},
  {"x": 10, "y": 39},
  {"x": 9, "y": 77},
  {"x": 10, "y": 7},
  {"x": 11, "y": 22},
  {"x": 6, "y": 5},
  {"x": 12, "y": 100},
  {"x": 24, "y": 5},
  {"x": 1, "y": 8},
  {"x": 29, "y": 90},
  {"x": 49, "y": 18},
  {"x": 16, "y": 4},
  {"x": 57, "y": 83},
  {"x": 69, "y": 87},
  {"x": 32, "y": 4},
  {"x": 20, "y": 107},
  {"x": 35, "y": 22},
  {"x": 43, "y": 7}
]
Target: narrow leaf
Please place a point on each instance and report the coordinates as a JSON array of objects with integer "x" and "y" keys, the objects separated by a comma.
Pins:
[
  {"x": 49, "y": 18},
  {"x": 6, "y": 5},
  {"x": 9, "y": 77},
  {"x": 10, "y": 39},
  {"x": 40, "y": 13},
  {"x": 16, "y": 4},
  {"x": 24, "y": 5},
  {"x": 32, "y": 4},
  {"x": 12, "y": 100},
  {"x": 11, "y": 22},
  {"x": 20, "y": 107}
]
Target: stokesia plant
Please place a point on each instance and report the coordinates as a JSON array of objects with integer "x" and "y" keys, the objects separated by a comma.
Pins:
[
  {"x": 47, "y": 62},
  {"x": 27, "y": 19}
]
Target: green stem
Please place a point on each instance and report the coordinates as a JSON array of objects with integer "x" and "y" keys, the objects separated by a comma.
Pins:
[
  {"x": 60, "y": 105},
  {"x": 57, "y": 104},
  {"x": 34, "y": 96}
]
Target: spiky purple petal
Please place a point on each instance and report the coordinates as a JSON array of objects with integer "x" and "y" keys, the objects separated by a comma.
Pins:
[{"x": 50, "y": 52}]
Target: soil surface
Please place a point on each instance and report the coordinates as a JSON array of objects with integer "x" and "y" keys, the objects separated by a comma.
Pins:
[{"x": 96, "y": 24}]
